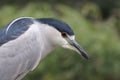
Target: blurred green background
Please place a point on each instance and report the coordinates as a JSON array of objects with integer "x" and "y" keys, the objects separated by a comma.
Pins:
[{"x": 96, "y": 24}]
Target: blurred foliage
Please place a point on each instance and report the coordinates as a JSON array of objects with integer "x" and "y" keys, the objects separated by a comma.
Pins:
[
  {"x": 99, "y": 37},
  {"x": 106, "y": 6}
]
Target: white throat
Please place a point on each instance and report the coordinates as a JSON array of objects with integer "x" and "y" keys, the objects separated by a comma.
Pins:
[{"x": 47, "y": 45}]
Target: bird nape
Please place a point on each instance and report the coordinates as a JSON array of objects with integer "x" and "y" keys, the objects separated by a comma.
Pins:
[{"x": 26, "y": 40}]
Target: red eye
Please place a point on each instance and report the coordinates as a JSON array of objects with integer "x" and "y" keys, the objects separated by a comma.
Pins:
[{"x": 64, "y": 34}]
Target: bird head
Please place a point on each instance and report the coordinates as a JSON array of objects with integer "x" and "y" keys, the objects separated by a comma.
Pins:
[{"x": 60, "y": 33}]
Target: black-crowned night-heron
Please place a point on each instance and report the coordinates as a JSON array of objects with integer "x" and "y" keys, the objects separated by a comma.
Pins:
[{"x": 25, "y": 41}]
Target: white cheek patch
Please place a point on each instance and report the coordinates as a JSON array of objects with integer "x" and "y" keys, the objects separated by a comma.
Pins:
[{"x": 71, "y": 37}]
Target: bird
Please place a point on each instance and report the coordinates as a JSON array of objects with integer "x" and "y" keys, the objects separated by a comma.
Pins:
[{"x": 25, "y": 41}]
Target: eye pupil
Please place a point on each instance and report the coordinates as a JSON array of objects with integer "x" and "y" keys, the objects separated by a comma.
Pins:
[{"x": 64, "y": 34}]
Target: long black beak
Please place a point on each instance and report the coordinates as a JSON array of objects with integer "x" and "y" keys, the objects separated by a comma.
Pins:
[{"x": 78, "y": 48}]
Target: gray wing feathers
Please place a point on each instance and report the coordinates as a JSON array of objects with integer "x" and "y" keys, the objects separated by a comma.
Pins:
[
  {"x": 19, "y": 56},
  {"x": 14, "y": 29}
]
